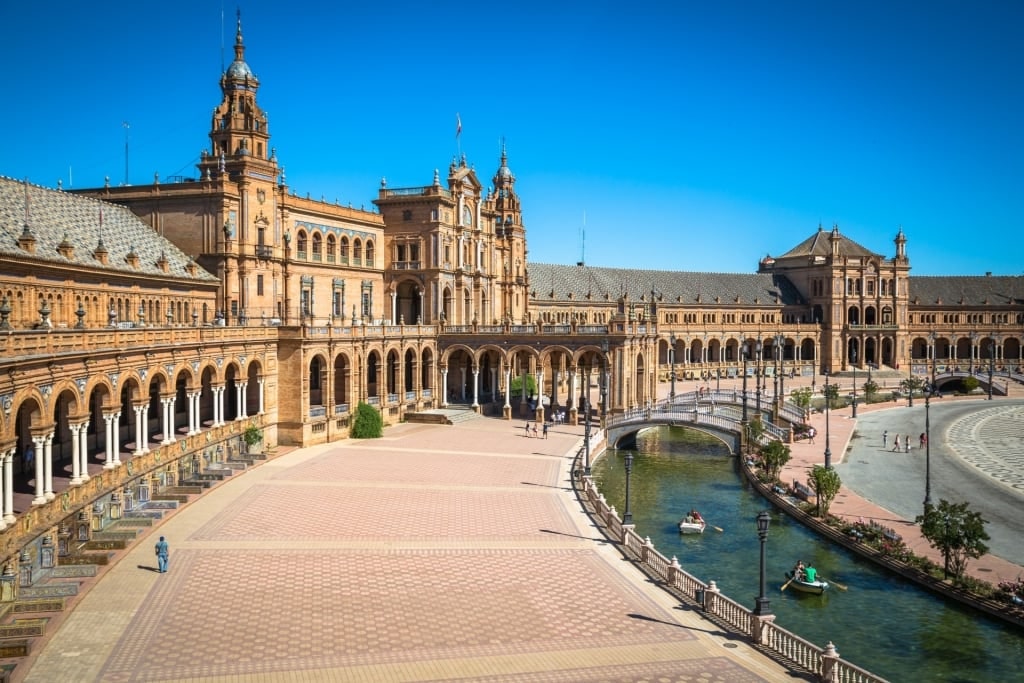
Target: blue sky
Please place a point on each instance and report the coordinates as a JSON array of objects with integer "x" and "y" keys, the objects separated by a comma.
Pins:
[{"x": 688, "y": 136}]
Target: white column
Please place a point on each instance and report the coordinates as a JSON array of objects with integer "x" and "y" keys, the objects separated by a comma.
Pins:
[
  {"x": 139, "y": 441},
  {"x": 573, "y": 399},
  {"x": 220, "y": 405},
  {"x": 195, "y": 412},
  {"x": 444, "y": 387},
  {"x": 240, "y": 399},
  {"x": 169, "y": 433},
  {"x": 508, "y": 386},
  {"x": 83, "y": 451},
  {"x": 76, "y": 463},
  {"x": 476, "y": 386},
  {"x": 8, "y": 487},
  {"x": 116, "y": 441},
  {"x": 48, "y": 467},
  {"x": 145, "y": 428},
  {"x": 260, "y": 381},
  {"x": 108, "y": 443},
  {"x": 394, "y": 308},
  {"x": 37, "y": 447}
]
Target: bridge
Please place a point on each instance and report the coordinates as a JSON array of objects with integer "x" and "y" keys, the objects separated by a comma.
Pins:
[{"x": 717, "y": 413}]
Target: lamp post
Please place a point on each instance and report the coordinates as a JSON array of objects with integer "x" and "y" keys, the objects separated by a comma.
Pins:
[
  {"x": 745, "y": 351},
  {"x": 672, "y": 366},
  {"x": 853, "y": 357},
  {"x": 627, "y": 516},
  {"x": 927, "y": 454},
  {"x": 828, "y": 450},
  {"x": 931, "y": 338},
  {"x": 780, "y": 343},
  {"x": 991, "y": 362},
  {"x": 604, "y": 382},
  {"x": 762, "y": 606},
  {"x": 586, "y": 437},
  {"x": 757, "y": 375}
]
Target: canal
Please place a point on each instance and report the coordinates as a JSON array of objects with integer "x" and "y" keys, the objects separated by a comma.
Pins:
[{"x": 882, "y": 622}]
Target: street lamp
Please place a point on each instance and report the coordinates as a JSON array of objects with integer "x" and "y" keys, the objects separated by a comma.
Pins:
[
  {"x": 627, "y": 516},
  {"x": 745, "y": 351},
  {"x": 828, "y": 450},
  {"x": 757, "y": 375},
  {"x": 780, "y": 343},
  {"x": 586, "y": 436},
  {"x": 931, "y": 338},
  {"x": 853, "y": 357},
  {"x": 604, "y": 380},
  {"x": 991, "y": 362},
  {"x": 762, "y": 606},
  {"x": 927, "y": 453},
  {"x": 672, "y": 365}
]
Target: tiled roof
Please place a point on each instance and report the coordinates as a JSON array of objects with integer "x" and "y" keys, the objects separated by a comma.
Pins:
[
  {"x": 670, "y": 286},
  {"x": 973, "y": 290},
  {"x": 54, "y": 216},
  {"x": 818, "y": 244}
]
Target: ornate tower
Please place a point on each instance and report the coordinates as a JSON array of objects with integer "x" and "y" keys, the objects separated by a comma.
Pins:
[
  {"x": 510, "y": 240},
  {"x": 239, "y": 130}
]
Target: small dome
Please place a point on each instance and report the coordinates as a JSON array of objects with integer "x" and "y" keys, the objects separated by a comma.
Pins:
[{"x": 240, "y": 70}]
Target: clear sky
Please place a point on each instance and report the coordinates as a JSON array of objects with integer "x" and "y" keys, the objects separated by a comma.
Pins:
[{"x": 685, "y": 135}]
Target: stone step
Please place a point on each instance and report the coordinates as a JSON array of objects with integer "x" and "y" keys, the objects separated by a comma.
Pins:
[
  {"x": 23, "y": 628},
  {"x": 177, "y": 498},
  {"x": 39, "y": 605},
  {"x": 41, "y": 591},
  {"x": 85, "y": 558},
  {"x": 74, "y": 571},
  {"x": 139, "y": 519},
  {"x": 112, "y": 534},
  {"x": 182, "y": 490},
  {"x": 106, "y": 544}
]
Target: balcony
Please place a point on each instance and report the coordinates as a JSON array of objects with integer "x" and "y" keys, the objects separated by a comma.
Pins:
[{"x": 263, "y": 251}]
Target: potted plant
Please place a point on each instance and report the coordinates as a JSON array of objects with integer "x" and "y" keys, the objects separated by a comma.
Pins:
[{"x": 252, "y": 436}]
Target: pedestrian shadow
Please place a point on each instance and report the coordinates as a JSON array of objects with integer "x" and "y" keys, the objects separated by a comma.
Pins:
[{"x": 148, "y": 568}]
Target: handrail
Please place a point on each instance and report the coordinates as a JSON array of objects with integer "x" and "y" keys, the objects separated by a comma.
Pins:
[{"x": 801, "y": 654}]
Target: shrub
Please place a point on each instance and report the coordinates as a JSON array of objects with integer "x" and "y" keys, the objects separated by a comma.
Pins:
[
  {"x": 368, "y": 423},
  {"x": 252, "y": 436}
]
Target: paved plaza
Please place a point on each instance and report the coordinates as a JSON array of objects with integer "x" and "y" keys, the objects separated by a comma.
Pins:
[{"x": 437, "y": 553}]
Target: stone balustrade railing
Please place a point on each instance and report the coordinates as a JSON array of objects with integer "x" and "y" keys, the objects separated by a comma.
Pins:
[{"x": 824, "y": 663}]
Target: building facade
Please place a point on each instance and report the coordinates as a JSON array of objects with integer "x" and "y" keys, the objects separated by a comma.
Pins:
[{"x": 145, "y": 328}]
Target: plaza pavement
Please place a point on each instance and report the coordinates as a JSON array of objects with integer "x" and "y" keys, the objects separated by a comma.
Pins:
[{"x": 436, "y": 553}]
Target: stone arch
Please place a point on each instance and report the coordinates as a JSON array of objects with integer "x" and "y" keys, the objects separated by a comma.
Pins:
[
  {"x": 253, "y": 387},
  {"x": 316, "y": 374},
  {"x": 408, "y": 301},
  {"x": 29, "y": 418}
]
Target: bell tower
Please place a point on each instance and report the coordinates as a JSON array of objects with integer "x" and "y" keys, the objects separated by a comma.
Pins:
[
  {"x": 239, "y": 130},
  {"x": 510, "y": 238}
]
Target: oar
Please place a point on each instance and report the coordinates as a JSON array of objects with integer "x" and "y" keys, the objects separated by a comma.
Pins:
[
  {"x": 716, "y": 528},
  {"x": 786, "y": 585},
  {"x": 838, "y": 585}
]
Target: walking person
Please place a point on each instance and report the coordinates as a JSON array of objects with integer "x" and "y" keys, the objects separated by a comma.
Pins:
[
  {"x": 527, "y": 427},
  {"x": 535, "y": 430},
  {"x": 885, "y": 438},
  {"x": 896, "y": 446},
  {"x": 906, "y": 444},
  {"x": 161, "y": 555},
  {"x": 545, "y": 430}
]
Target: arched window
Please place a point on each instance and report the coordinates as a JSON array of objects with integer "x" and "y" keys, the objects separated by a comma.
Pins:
[
  {"x": 300, "y": 244},
  {"x": 344, "y": 251},
  {"x": 369, "y": 253},
  {"x": 357, "y": 252},
  {"x": 317, "y": 247},
  {"x": 331, "y": 251}
]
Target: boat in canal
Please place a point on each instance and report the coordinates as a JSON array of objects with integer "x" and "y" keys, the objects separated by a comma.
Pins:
[
  {"x": 802, "y": 585},
  {"x": 692, "y": 523}
]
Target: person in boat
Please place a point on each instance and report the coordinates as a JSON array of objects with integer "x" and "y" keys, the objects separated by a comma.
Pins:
[
  {"x": 798, "y": 570},
  {"x": 811, "y": 573},
  {"x": 694, "y": 516}
]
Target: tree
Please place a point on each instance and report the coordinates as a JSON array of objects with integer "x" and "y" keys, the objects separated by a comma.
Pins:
[
  {"x": 970, "y": 384},
  {"x": 826, "y": 484},
  {"x": 911, "y": 386},
  {"x": 802, "y": 397},
  {"x": 870, "y": 389},
  {"x": 774, "y": 456},
  {"x": 956, "y": 532},
  {"x": 755, "y": 429},
  {"x": 368, "y": 423},
  {"x": 831, "y": 393},
  {"x": 251, "y": 436}
]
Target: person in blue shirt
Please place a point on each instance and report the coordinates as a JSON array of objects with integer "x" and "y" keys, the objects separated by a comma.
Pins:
[{"x": 161, "y": 554}]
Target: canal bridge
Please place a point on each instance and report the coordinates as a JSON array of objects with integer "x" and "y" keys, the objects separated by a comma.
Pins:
[{"x": 717, "y": 413}]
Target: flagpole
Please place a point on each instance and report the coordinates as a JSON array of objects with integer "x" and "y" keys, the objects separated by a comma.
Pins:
[{"x": 458, "y": 136}]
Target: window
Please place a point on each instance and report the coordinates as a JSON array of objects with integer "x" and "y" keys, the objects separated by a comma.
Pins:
[
  {"x": 301, "y": 244},
  {"x": 407, "y": 215},
  {"x": 357, "y": 252},
  {"x": 369, "y": 253},
  {"x": 331, "y": 248},
  {"x": 344, "y": 251},
  {"x": 317, "y": 247},
  {"x": 259, "y": 285}
]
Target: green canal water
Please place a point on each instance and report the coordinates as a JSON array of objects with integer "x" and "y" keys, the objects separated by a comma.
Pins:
[{"x": 882, "y": 623}]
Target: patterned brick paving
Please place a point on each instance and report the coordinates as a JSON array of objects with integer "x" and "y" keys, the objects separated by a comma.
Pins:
[{"x": 435, "y": 554}]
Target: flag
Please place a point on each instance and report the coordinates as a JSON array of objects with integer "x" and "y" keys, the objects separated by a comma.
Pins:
[{"x": 458, "y": 125}]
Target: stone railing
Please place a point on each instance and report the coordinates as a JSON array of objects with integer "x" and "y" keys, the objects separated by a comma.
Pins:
[{"x": 823, "y": 663}]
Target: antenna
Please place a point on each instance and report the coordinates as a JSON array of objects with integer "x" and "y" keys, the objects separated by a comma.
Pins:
[
  {"x": 125, "y": 125},
  {"x": 583, "y": 241},
  {"x": 222, "y": 37}
]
